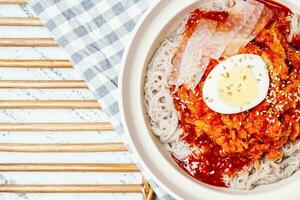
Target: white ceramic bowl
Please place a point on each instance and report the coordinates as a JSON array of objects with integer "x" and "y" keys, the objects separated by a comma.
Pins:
[{"x": 157, "y": 23}]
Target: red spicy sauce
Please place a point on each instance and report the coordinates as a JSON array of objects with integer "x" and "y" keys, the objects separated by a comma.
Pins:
[
  {"x": 211, "y": 166},
  {"x": 296, "y": 42},
  {"x": 208, "y": 167},
  {"x": 276, "y": 6},
  {"x": 193, "y": 21}
]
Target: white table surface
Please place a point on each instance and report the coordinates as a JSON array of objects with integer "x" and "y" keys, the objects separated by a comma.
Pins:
[{"x": 65, "y": 115}]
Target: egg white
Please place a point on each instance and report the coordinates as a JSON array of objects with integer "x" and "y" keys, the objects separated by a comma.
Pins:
[{"x": 210, "y": 89}]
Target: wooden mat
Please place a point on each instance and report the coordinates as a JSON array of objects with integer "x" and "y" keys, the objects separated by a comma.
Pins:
[{"x": 57, "y": 127}]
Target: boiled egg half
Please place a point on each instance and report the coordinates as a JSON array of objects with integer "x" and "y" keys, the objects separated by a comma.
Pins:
[{"x": 237, "y": 84}]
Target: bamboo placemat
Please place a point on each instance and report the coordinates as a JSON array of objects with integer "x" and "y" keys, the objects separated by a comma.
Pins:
[{"x": 57, "y": 127}]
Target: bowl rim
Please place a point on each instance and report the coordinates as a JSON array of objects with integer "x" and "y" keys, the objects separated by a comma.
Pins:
[{"x": 130, "y": 128}]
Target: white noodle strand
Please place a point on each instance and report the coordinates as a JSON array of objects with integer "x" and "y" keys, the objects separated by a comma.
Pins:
[
  {"x": 269, "y": 171},
  {"x": 158, "y": 100}
]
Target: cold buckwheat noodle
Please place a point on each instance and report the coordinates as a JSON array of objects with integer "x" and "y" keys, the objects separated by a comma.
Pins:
[{"x": 159, "y": 91}]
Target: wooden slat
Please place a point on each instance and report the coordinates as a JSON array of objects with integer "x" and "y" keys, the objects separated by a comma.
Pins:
[
  {"x": 54, "y": 104},
  {"x": 71, "y": 188},
  {"x": 20, "y": 21},
  {"x": 13, "y": 1},
  {"x": 49, "y": 104},
  {"x": 42, "y": 84},
  {"x": 17, "y": 63},
  {"x": 28, "y": 42},
  {"x": 62, "y": 148},
  {"x": 67, "y": 167},
  {"x": 72, "y": 126}
]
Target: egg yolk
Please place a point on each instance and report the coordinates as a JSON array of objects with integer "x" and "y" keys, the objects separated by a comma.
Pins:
[{"x": 238, "y": 86}]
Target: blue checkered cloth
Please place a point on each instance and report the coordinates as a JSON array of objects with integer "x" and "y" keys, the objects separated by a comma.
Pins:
[{"x": 94, "y": 33}]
